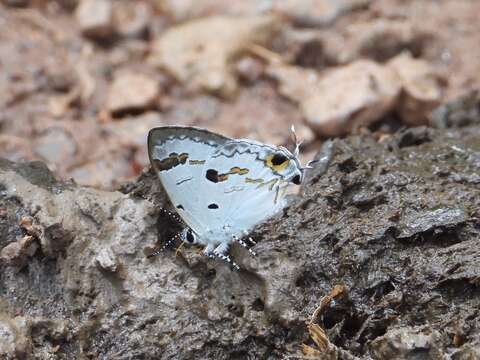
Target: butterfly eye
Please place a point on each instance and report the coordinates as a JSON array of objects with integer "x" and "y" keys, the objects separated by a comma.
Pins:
[{"x": 297, "y": 180}]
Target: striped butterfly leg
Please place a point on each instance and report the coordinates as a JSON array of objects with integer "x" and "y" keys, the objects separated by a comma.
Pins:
[
  {"x": 220, "y": 252},
  {"x": 245, "y": 245},
  {"x": 250, "y": 240},
  {"x": 166, "y": 245},
  {"x": 178, "y": 236},
  {"x": 208, "y": 251},
  {"x": 172, "y": 214}
]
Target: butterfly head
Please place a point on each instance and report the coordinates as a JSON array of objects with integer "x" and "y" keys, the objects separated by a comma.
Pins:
[{"x": 287, "y": 163}]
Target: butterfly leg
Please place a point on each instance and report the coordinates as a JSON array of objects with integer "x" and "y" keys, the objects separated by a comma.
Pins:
[
  {"x": 245, "y": 245},
  {"x": 221, "y": 252},
  {"x": 173, "y": 215},
  {"x": 166, "y": 245},
  {"x": 170, "y": 241},
  {"x": 208, "y": 251},
  {"x": 252, "y": 242}
]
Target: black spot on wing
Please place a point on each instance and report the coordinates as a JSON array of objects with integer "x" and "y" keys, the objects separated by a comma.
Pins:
[
  {"x": 212, "y": 175},
  {"x": 213, "y": 206},
  {"x": 215, "y": 177},
  {"x": 180, "y": 206}
]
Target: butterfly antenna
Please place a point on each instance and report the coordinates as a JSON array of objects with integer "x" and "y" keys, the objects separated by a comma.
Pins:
[
  {"x": 296, "y": 152},
  {"x": 309, "y": 164}
]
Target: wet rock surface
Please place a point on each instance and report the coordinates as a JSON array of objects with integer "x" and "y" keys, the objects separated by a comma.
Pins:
[{"x": 396, "y": 226}]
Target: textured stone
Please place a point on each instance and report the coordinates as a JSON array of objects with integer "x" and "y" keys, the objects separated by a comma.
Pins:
[
  {"x": 315, "y": 12},
  {"x": 421, "y": 89},
  {"x": 342, "y": 99},
  {"x": 382, "y": 39},
  {"x": 132, "y": 92},
  {"x": 200, "y": 53},
  {"x": 95, "y": 18},
  {"x": 98, "y": 294}
]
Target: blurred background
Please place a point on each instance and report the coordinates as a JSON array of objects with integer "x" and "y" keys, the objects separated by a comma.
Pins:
[{"x": 82, "y": 81}]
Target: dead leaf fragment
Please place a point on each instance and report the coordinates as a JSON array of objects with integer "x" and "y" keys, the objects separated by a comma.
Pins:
[
  {"x": 319, "y": 337},
  {"x": 326, "y": 350},
  {"x": 326, "y": 300}
]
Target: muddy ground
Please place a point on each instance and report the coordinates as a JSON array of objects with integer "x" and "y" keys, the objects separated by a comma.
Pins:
[
  {"x": 376, "y": 257},
  {"x": 396, "y": 224}
]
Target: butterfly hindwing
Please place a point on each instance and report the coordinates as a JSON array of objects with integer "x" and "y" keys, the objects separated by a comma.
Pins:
[
  {"x": 247, "y": 190},
  {"x": 178, "y": 155},
  {"x": 221, "y": 187}
]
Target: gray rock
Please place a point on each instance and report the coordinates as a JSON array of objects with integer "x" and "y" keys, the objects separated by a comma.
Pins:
[
  {"x": 132, "y": 19},
  {"x": 89, "y": 290},
  {"x": 55, "y": 146},
  {"x": 196, "y": 58},
  {"x": 407, "y": 343},
  {"x": 343, "y": 99},
  {"x": 459, "y": 112},
  {"x": 419, "y": 223},
  {"x": 14, "y": 341}
]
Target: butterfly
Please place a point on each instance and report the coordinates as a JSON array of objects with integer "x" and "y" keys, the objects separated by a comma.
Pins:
[{"x": 221, "y": 187}]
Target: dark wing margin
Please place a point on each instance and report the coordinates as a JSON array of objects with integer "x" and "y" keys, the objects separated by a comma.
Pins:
[
  {"x": 158, "y": 135},
  {"x": 177, "y": 155}
]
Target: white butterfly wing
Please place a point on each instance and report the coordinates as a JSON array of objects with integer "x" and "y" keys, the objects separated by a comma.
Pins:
[
  {"x": 178, "y": 155},
  {"x": 242, "y": 190},
  {"x": 221, "y": 187}
]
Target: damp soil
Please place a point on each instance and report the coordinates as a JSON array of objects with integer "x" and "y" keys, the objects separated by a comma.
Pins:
[{"x": 396, "y": 223}]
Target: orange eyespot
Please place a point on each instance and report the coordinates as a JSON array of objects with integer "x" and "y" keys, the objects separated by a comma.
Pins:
[{"x": 277, "y": 161}]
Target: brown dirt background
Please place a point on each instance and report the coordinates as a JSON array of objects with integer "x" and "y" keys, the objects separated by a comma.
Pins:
[{"x": 391, "y": 217}]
